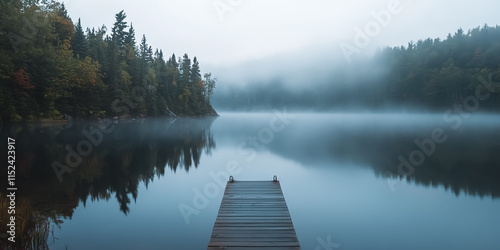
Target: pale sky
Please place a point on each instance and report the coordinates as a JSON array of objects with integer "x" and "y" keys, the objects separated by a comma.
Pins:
[{"x": 252, "y": 30}]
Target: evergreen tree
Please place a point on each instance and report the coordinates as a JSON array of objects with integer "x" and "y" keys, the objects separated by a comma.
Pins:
[
  {"x": 145, "y": 50},
  {"x": 185, "y": 69},
  {"x": 130, "y": 37},
  {"x": 118, "y": 32},
  {"x": 172, "y": 86},
  {"x": 79, "y": 42},
  {"x": 196, "y": 87},
  {"x": 160, "y": 68},
  {"x": 118, "y": 80},
  {"x": 97, "y": 45},
  {"x": 184, "y": 87},
  {"x": 132, "y": 61},
  {"x": 195, "y": 75}
]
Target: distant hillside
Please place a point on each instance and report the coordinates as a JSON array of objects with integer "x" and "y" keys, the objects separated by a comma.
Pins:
[{"x": 431, "y": 74}]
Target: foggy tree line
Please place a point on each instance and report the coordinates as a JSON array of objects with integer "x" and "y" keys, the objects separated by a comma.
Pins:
[
  {"x": 431, "y": 74},
  {"x": 435, "y": 73},
  {"x": 50, "y": 67}
]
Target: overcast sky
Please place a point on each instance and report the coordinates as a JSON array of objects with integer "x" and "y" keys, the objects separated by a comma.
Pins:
[{"x": 239, "y": 31}]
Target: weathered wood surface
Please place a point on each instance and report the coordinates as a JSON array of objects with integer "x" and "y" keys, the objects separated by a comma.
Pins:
[{"x": 253, "y": 214}]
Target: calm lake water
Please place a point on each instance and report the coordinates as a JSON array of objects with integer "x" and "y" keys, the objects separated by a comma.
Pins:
[{"x": 351, "y": 181}]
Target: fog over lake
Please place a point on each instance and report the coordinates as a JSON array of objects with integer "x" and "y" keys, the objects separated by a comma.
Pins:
[{"x": 339, "y": 174}]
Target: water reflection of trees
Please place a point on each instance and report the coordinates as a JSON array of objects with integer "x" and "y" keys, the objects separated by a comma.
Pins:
[
  {"x": 468, "y": 162},
  {"x": 134, "y": 153}
]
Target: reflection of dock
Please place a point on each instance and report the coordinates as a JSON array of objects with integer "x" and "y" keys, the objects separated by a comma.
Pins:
[{"x": 253, "y": 214}]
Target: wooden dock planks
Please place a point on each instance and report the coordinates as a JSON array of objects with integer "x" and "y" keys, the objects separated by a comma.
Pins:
[{"x": 253, "y": 214}]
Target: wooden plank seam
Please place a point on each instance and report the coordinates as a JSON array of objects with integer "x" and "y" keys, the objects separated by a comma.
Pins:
[{"x": 253, "y": 214}]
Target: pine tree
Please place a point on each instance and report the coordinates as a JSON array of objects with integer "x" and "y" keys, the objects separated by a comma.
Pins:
[
  {"x": 97, "y": 45},
  {"x": 117, "y": 78},
  {"x": 184, "y": 86},
  {"x": 118, "y": 32},
  {"x": 130, "y": 37},
  {"x": 131, "y": 57},
  {"x": 79, "y": 42},
  {"x": 144, "y": 59},
  {"x": 195, "y": 71},
  {"x": 185, "y": 70},
  {"x": 146, "y": 52},
  {"x": 160, "y": 68},
  {"x": 196, "y": 86},
  {"x": 172, "y": 78}
]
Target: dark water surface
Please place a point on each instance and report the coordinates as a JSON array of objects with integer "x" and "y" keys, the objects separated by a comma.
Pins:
[{"x": 351, "y": 181}]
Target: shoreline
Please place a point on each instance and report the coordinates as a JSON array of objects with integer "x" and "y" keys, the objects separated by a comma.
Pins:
[{"x": 46, "y": 121}]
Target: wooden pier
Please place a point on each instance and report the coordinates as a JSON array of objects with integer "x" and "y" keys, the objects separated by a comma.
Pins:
[{"x": 253, "y": 214}]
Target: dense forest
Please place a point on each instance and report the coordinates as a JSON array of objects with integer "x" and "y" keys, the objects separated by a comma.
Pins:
[
  {"x": 51, "y": 68},
  {"x": 431, "y": 74}
]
